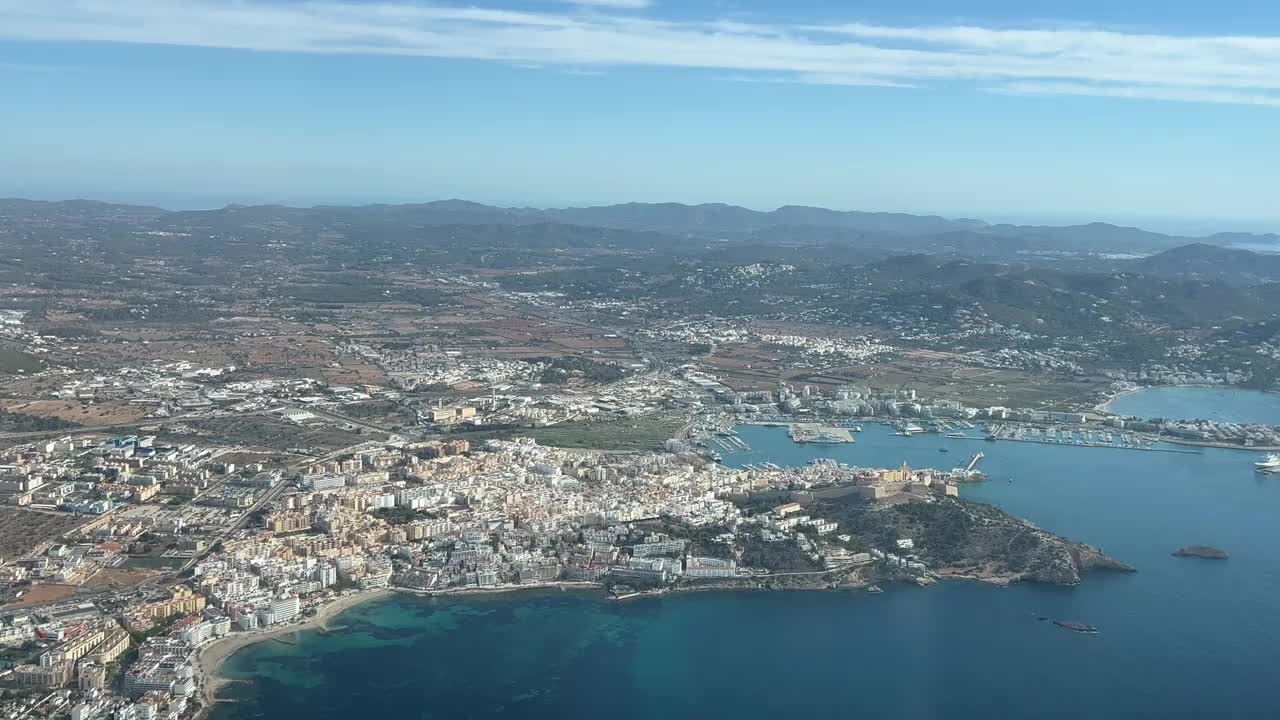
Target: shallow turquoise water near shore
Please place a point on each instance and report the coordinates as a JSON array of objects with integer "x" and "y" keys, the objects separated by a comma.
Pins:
[
  {"x": 1201, "y": 403},
  {"x": 1181, "y": 638}
]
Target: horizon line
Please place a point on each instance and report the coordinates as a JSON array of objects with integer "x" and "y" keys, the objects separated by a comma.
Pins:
[{"x": 959, "y": 217}]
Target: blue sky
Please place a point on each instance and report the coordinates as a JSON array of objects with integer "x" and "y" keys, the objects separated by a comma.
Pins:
[{"x": 1162, "y": 113}]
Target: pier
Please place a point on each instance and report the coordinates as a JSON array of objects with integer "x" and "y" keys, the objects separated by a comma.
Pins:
[
  {"x": 814, "y": 433},
  {"x": 729, "y": 442},
  {"x": 974, "y": 462}
]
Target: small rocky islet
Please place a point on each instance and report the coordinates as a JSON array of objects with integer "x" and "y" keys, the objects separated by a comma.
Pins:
[{"x": 1203, "y": 552}]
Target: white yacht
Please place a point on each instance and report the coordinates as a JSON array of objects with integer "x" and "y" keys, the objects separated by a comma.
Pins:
[{"x": 1270, "y": 463}]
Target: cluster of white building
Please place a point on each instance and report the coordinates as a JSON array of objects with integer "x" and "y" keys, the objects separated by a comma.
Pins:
[{"x": 418, "y": 367}]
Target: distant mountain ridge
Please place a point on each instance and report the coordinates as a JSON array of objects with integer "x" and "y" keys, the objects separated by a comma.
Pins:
[
  {"x": 717, "y": 217},
  {"x": 789, "y": 224},
  {"x": 81, "y": 209},
  {"x": 1096, "y": 236},
  {"x": 1212, "y": 261}
]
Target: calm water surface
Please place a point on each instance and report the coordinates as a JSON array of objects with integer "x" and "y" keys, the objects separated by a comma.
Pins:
[
  {"x": 1180, "y": 639},
  {"x": 1201, "y": 403}
]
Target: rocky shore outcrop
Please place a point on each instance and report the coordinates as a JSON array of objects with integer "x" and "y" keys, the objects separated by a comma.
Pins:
[
  {"x": 1063, "y": 562},
  {"x": 962, "y": 539}
]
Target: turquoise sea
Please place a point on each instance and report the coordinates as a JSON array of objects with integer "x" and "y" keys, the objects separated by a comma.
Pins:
[
  {"x": 1182, "y": 638},
  {"x": 1188, "y": 402}
]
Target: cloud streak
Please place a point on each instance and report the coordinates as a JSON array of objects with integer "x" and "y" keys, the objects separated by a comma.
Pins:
[
  {"x": 1070, "y": 61},
  {"x": 614, "y": 4},
  {"x": 1193, "y": 95}
]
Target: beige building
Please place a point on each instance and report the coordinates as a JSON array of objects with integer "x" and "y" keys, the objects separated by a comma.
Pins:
[
  {"x": 69, "y": 651},
  {"x": 445, "y": 416},
  {"x": 42, "y": 676},
  {"x": 182, "y": 602},
  {"x": 115, "y": 643},
  {"x": 289, "y": 522}
]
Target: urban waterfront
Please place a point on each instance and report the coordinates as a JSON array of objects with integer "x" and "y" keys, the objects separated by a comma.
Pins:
[
  {"x": 1192, "y": 402},
  {"x": 1181, "y": 638}
]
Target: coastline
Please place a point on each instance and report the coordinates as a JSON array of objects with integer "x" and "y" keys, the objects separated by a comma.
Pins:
[
  {"x": 212, "y": 656},
  {"x": 1105, "y": 405},
  {"x": 564, "y": 585}
]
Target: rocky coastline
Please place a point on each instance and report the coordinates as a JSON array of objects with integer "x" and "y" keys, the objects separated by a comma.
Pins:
[{"x": 957, "y": 539}]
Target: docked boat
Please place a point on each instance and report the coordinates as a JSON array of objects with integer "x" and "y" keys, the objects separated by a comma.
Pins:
[
  {"x": 908, "y": 429},
  {"x": 1270, "y": 463},
  {"x": 957, "y": 436}
]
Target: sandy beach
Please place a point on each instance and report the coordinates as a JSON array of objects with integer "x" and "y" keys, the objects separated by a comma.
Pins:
[
  {"x": 499, "y": 589},
  {"x": 1105, "y": 405},
  {"x": 213, "y": 655}
]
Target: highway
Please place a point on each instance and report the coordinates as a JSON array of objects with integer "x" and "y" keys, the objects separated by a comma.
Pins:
[{"x": 363, "y": 424}]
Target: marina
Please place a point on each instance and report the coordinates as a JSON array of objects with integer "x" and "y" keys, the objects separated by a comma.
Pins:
[
  {"x": 726, "y": 441},
  {"x": 880, "y": 445},
  {"x": 838, "y": 431},
  {"x": 1079, "y": 437}
]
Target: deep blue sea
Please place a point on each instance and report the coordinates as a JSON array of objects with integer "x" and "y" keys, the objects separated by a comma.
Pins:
[
  {"x": 1200, "y": 403},
  {"x": 1182, "y": 638}
]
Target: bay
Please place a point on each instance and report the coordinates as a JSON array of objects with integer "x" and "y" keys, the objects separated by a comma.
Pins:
[
  {"x": 1181, "y": 638},
  {"x": 1194, "y": 402}
]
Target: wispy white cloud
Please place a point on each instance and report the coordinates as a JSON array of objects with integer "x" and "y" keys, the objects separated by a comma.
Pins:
[
  {"x": 1063, "y": 60},
  {"x": 820, "y": 79},
  {"x": 615, "y": 4},
  {"x": 1149, "y": 92}
]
